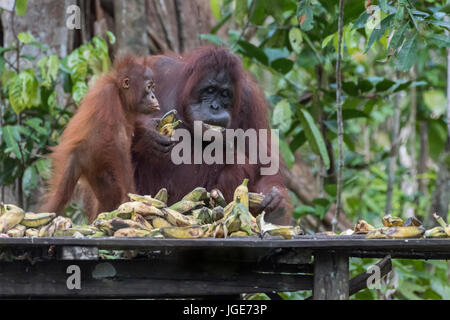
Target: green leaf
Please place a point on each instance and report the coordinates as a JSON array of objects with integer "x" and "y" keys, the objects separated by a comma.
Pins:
[
  {"x": 25, "y": 37},
  {"x": 79, "y": 90},
  {"x": 286, "y": 153},
  {"x": 384, "y": 85},
  {"x": 350, "y": 88},
  {"x": 282, "y": 115},
  {"x": 111, "y": 37},
  {"x": 23, "y": 90},
  {"x": 240, "y": 11},
  {"x": 43, "y": 167},
  {"x": 314, "y": 136},
  {"x": 215, "y": 9},
  {"x": 213, "y": 38},
  {"x": 29, "y": 180},
  {"x": 295, "y": 39},
  {"x": 252, "y": 51},
  {"x": 440, "y": 40},
  {"x": 377, "y": 33},
  {"x": 298, "y": 141},
  {"x": 37, "y": 125},
  {"x": 305, "y": 15},
  {"x": 11, "y": 136},
  {"x": 398, "y": 37},
  {"x": 282, "y": 65},
  {"x": 21, "y": 7},
  {"x": 303, "y": 210},
  {"x": 407, "y": 55}
]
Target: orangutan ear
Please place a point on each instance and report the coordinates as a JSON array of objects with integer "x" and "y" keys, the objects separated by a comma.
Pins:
[{"x": 126, "y": 83}]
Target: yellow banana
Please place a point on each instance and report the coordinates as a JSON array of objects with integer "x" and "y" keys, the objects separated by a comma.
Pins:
[
  {"x": 390, "y": 221},
  {"x": 158, "y": 222},
  {"x": 241, "y": 192},
  {"x": 436, "y": 232},
  {"x": 118, "y": 223},
  {"x": 184, "y": 206},
  {"x": 11, "y": 217},
  {"x": 86, "y": 231},
  {"x": 167, "y": 118},
  {"x": 32, "y": 232},
  {"x": 131, "y": 232},
  {"x": 168, "y": 129},
  {"x": 35, "y": 220},
  {"x": 155, "y": 202},
  {"x": 178, "y": 219},
  {"x": 141, "y": 220},
  {"x": 191, "y": 232},
  {"x": 239, "y": 234},
  {"x": 17, "y": 232},
  {"x": 363, "y": 227},
  {"x": 287, "y": 232},
  {"x": 404, "y": 232}
]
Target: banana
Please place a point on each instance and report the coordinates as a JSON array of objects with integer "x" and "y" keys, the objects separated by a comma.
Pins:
[
  {"x": 239, "y": 234},
  {"x": 363, "y": 227},
  {"x": 62, "y": 223},
  {"x": 217, "y": 198},
  {"x": 198, "y": 194},
  {"x": 228, "y": 209},
  {"x": 412, "y": 221},
  {"x": 118, "y": 223},
  {"x": 155, "y": 233},
  {"x": 404, "y": 232},
  {"x": 125, "y": 210},
  {"x": 442, "y": 223},
  {"x": 245, "y": 217},
  {"x": 17, "y": 232},
  {"x": 168, "y": 129},
  {"x": 436, "y": 232},
  {"x": 155, "y": 202},
  {"x": 255, "y": 200},
  {"x": 287, "y": 232},
  {"x": 141, "y": 220},
  {"x": 241, "y": 192},
  {"x": 47, "y": 230},
  {"x": 35, "y": 220},
  {"x": 184, "y": 206},
  {"x": 105, "y": 226},
  {"x": 220, "y": 230},
  {"x": 203, "y": 215},
  {"x": 377, "y": 234},
  {"x": 11, "y": 217},
  {"x": 217, "y": 213},
  {"x": 158, "y": 222},
  {"x": 169, "y": 117},
  {"x": 191, "y": 232},
  {"x": 162, "y": 195},
  {"x": 390, "y": 221},
  {"x": 84, "y": 230},
  {"x": 233, "y": 223},
  {"x": 131, "y": 232},
  {"x": 32, "y": 232},
  {"x": 178, "y": 219}
]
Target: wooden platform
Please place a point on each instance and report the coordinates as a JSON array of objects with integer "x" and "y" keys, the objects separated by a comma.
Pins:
[{"x": 37, "y": 267}]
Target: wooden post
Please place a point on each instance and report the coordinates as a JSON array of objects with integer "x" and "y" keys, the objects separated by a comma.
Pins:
[{"x": 330, "y": 276}]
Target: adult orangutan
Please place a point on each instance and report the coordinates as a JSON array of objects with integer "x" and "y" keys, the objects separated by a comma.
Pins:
[{"x": 210, "y": 85}]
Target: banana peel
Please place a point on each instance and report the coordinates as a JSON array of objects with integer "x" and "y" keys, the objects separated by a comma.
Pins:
[
  {"x": 390, "y": 221},
  {"x": 363, "y": 227},
  {"x": 36, "y": 220}
]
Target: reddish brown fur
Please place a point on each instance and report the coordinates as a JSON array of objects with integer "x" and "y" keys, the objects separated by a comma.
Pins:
[
  {"x": 175, "y": 78},
  {"x": 96, "y": 144}
]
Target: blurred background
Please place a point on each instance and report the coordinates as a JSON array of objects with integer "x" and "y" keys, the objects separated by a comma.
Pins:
[{"x": 395, "y": 105}]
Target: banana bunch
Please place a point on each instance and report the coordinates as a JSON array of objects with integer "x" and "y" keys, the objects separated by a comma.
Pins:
[
  {"x": 396, "y": 228},
  {"x": 199, "y": 214},
  {"x": 168, "y": 123}
]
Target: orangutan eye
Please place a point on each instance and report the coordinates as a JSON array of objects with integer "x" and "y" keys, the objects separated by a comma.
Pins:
[
  {"x": 210, "y": 89},
  {"x": 150, "y": 86}
]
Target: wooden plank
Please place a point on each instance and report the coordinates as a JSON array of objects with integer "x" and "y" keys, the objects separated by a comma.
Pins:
[
  {"x": 331, "y": 276},
  {"x": 141, "y": 278},
  {"x": 359, "y": 282}
]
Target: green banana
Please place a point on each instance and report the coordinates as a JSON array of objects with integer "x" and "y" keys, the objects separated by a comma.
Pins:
[
  {"x": 162, "y": 195},
  {"x": 155, "y": 202},
  {"x": 177, "y": 219},
  {"x": 184, "y": 206},
  {"x": 168, "y": 117},
  {"x": 168, "y": 129},
  {"x": 198, "y": 194}
]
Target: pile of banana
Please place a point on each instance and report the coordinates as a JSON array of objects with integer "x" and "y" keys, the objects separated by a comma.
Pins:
[
  {"x": 396, "y": 228},
  {"x": 199, "y": 214}
]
